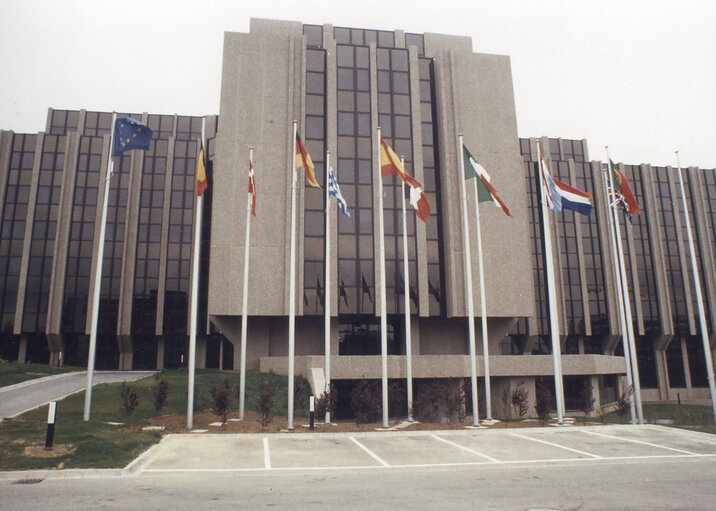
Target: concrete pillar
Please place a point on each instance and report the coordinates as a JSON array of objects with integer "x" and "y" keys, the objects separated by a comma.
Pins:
[
  {"x": 221, "y": 354},
  {"x": 594, "y": 383},
  {"x": 687, "y": 366},
  {"x": 22, "y": 350},
  {"x": 662, "y": 373},
  {"x": 160, "y": 353},
  {"x": 201, "y": 352}
]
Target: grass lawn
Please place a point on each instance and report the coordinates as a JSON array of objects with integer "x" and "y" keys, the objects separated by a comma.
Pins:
[
  {"x": 97, "y": 444},
  {"x": 693, "y": 417},
  {"x": 12, "y": 372}
]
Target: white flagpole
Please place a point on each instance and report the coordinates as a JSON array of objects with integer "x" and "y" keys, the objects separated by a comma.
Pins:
[
  {"x": 620, "y": 301},
  {"x": 483, "y": 310},
  {"x": 98, "y": 277},
  {"x": 406, "y": 291},
  {"x": 327, "y": 293},
  {"x": 292, "y": 283},
  {"x": 383, "y": 306},
  {"x": 699, "y": 295},
  {"x": 194, "y": 300},
  {"x": 468, "y": 285},
  {"x": 551, "y": 292},
  {"x": 627, "y": 308},
  {"x": 245, "y": 299}
]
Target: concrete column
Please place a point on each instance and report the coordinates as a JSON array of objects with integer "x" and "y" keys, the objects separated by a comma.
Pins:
[
  {"x": 687, "y": 366},
  {"x": 594, "y": 384},
  {"x": 22, "y": 350},
  {"x": 160, "y": 353},
  {"x": 661, "y": 372},
  {"x": 201, "y": 352}
]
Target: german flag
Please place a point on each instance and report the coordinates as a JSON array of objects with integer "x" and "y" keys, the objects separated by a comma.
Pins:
[{"x": 303, "y": 159}]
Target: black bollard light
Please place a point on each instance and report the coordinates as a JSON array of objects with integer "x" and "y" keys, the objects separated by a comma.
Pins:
[
  {"x": 312, "y": 409},
  {"x": 51, "y": 411}
]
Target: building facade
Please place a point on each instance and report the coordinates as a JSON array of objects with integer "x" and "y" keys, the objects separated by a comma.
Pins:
[{"x": 340, "y": 84}]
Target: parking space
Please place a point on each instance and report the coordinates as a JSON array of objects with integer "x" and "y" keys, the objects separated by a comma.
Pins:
[{"x": 291, "y": 451}]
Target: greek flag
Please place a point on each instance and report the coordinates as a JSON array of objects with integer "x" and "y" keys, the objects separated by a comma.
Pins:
[{"x": 336, "y": 192}]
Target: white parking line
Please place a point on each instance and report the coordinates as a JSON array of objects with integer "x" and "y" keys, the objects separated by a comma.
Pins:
[
  {"x": 556, "y": 445},
  {"x": 545, "y": 462},
  {"x": 372, "y": 454},
  {"x": 466, "y": 449},
  {"x": 267, "y": 455},
  {"x": 644, "y": 443}
]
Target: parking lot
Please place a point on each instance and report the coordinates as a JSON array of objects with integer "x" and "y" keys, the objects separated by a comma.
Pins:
[{"x": 386, "y": 450}]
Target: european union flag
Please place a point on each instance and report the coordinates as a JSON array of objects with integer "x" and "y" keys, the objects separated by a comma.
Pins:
[{"x": 130, "y": 134}]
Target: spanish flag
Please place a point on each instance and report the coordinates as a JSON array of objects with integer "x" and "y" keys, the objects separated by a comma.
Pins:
[
  {"x": 201, "y": 182},
  {"x": 303, "y": 159},
  {"x": 390, "y": 164}
]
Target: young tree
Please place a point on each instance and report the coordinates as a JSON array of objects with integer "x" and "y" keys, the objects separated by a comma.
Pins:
[
  {"x": 544, "y": 401},
  {"x": 161, "y": 392},
  {"x": 520, "y": 400},
  {"x": 130, "y": 399},
  {"x": 586, "y": 398},
  {"x": 220, "y": 396},
  {"x": 265, "y": 405}
]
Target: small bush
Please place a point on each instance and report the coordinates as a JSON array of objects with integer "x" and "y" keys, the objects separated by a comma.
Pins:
[
  {"x": 161, "y": 392},
  {"x": 437, "y": 400},
  {"x": 326, "y": 402},
  {"x": 544, "y": 401},
  {"x": 586, "y": 399},
  {"x": 366, "y": 401},
  {"x": 519, "y": 399},
  {"x": 130, "y": 399},
  {"x": 624, "y": 401},
  {"x": 264, "y": 404},
  {"x": 507, "y": 401},
  {"x": 301, "y": 393},
  {"x": 220, "y": 396}
]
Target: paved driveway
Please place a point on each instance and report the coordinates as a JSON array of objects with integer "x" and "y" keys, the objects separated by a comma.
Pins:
[
  {"x": 17, "y": 399},
  {"x": 425, "y": 449}
]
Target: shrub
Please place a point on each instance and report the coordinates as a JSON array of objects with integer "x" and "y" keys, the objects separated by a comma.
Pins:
[
  {"x": 264, "y": 404},
  {"x": 130, "y": 399},
  {"x": 301, "y": 393},
  {"x": 624, "y": 401},
  {"x": 220, "y": 397},
  {"x": 161, "y": 392},
  {"x": 507, "y": 401},
  {"x": 366, "y": 401},
  {"x": 586, "y": 399},
  {"x": 326, "y": 402},
  {"x": 544, "y": 401},
  {"x": 436, "y": 400},
  {"x": 519, "y": 399}
]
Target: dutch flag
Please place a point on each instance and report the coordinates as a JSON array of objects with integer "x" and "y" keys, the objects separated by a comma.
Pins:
[{"x": 561, "y": 196}]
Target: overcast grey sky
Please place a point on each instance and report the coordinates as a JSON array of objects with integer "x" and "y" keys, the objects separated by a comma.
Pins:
[{"x": 637, "y": 75}]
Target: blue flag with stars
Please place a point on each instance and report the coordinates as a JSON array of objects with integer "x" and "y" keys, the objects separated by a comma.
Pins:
[
  {"x": 334, "y": 191},
  {"x": 130, "y": 134}
]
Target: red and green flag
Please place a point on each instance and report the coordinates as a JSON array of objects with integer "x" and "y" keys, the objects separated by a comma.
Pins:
[{"x": 485, "y": 190}]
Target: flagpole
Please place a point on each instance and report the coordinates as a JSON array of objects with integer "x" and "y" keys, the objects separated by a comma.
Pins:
[
  {"x": 194, "y": 299},
  {"x": 327, "y": 294},
  {"x": 483, "y": 310},
  {"x": 627, "y": 307},
  {"x": 292, "y": 284},
  {"x": 245, "y": 298},
  {"x": 98, "y": 277},
  {"x": 468, "y": 285},
  {"x": 406, "y": 278},
  {"x": 620, "y": 301},
  {"x": 383, "y": 306},
  {"x": 699, "y": 295},
  {"x": 551, "y": 292}
]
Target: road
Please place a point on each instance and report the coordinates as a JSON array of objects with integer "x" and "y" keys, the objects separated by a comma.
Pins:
[
  {"x": 17, "y": 399},
  {"x": 638, "y": 484}
]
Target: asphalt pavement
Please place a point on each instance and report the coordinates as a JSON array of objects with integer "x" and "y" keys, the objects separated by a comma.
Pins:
[
  {"x": 585, "y": 468},
  {"x": 25, "y": 396}
]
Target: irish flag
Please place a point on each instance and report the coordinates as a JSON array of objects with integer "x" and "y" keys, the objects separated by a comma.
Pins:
[{"x": 485, "y": 190}]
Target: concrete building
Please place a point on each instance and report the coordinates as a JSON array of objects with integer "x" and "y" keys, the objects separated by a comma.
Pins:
[{"x": 423, "y": 90}]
